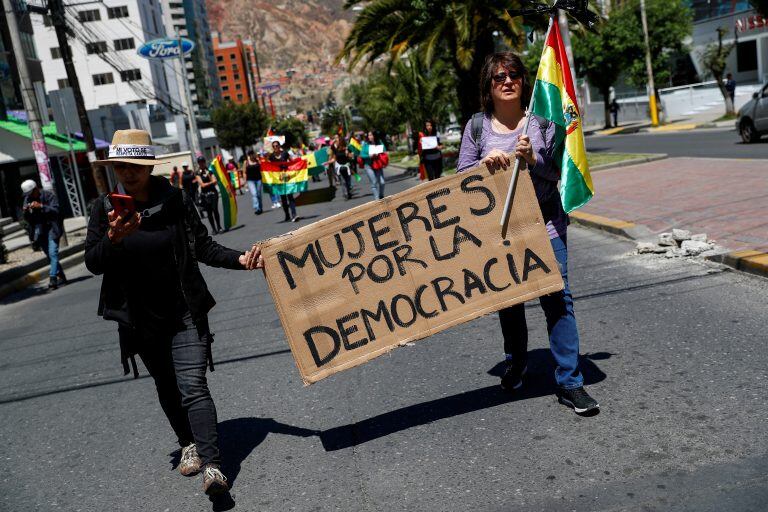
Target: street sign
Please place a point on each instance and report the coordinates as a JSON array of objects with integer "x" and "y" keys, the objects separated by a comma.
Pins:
[{"x": 165, "y": 48}]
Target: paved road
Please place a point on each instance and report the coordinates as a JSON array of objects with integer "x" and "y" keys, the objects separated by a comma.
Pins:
[
  {"x": 711, "y": 143},
  {"x": 674, "y": 351}
]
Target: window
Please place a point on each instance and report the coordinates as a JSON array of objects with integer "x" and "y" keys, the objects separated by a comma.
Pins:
[
  {"x": 97, "y": 47},
  {"x": 176, "y": 5},
  {"x": 124, "y": 44},
  {"x": 63, "y": 83},
  {"x": 117, "y": 12},
  {"x": 236, "y": 77},
  {"x": 234, "y": 67},
  {"x": 130, "y": 75},
  {"x": 222, "y": 68},
  {"x": 56, "y": 53},
  {"x": 223, "y": 78},
  {"x": 232, "y": 56},
  {"x": 91, "y": 15},
  {"x": 103, "y": 79},
  {"x": 219, "y": 58},
  {"x": 224, "y": 87},
  {"x": 238, "y": 87},
  {"x": 240, "y": 97},
  {"x": 177, "y": 16}
]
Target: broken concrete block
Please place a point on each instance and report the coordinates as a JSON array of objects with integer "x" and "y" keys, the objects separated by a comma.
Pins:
[
  {"x": 681, "y": 235},
  {"x": 675, "y": 252},
  {"x": 646, "y": 247},
  {"x": 701, "y": 237},
  {"x": 694, "y": 248},
  {"x": 667, "y": 240}
]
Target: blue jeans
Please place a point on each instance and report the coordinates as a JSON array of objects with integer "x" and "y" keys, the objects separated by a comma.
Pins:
[
  {"x": 53, "y": 256},
  {"x": 377, "y": 181},
  {"x": 254, "y": 187},
  {"x": 561, "y": 326}
]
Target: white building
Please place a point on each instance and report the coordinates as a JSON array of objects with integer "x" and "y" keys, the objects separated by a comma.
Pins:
[{"x": 106, "y": 36}]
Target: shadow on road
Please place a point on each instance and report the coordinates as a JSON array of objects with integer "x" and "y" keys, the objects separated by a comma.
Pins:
[
  {"x": 538, "y": 382},
  {"x": 240, "y": 436}
]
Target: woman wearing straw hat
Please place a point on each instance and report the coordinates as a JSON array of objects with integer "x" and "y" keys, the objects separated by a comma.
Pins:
[{"x": 147, "y": 242}]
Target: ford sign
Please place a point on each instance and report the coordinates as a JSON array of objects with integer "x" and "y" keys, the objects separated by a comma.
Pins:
[{"x": 164, "y": 48}]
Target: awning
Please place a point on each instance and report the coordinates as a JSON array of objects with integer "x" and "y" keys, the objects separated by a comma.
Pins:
[{"x": 16, "y": 142}]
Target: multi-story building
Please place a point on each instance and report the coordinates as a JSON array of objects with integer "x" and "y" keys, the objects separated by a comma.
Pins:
[
  {"x": 189, "y": 19},
  {"x": 237, "y": 69},
  {"x": 103, "y": 39},
  {"x": 10, "y": 92},
  {"x": 744, "y": 26}
]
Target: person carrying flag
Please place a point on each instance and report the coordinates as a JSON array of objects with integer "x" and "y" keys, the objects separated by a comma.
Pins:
[
  {"x": 505, "y": 90},
  {"x": 287, "y": 201}
]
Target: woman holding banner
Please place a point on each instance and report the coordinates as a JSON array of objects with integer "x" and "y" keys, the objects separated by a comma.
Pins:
[
  {"x": 505, "y": 92},
  {"x": 147, "y": 240},
  {"x": 430, "y": 151}
]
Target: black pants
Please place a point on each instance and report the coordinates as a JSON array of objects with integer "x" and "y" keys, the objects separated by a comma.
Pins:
[
  {"x": 177, "y": 363},
  {"x": 211, "y": 207},
  {"x": 288, "y": 202},
  {"x": 434, "y": 168}
]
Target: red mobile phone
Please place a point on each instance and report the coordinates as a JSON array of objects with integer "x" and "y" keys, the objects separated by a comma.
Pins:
[{"x": 123, "y": 205}]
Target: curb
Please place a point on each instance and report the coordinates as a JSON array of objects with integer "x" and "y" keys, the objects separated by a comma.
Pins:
[
  {"x": 633, "y": 161},
  {"x": 69, "y": 257},
  {"x": 749, "y": 261}
]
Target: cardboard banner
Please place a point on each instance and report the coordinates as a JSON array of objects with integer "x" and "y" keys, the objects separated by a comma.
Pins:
[{"x": 356, "y": 285}]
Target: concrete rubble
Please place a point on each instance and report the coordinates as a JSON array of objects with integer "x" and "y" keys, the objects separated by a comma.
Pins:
[{"x": 678, "y": 243}]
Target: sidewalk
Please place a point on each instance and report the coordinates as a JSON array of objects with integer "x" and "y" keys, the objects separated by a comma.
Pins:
[{"x": 725, "y": 198}]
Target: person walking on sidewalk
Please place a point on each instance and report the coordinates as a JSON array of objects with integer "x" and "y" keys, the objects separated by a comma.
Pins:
[
  {"x": 289, "y": 203},
  {"x": 372, "y": 164},
  {"x": 152, "y": 287},
  {"x": 730, "y": 87},
  {"x": 253, "y": 178},
  {"x": 490, "y": 135},
  {"x": 41, "y": 212},
  {"x": 614, "y": 107},
  {"x": 432, "y": 157}
]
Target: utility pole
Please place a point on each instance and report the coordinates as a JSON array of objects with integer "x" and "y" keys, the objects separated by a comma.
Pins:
[
  {"x": 60, "y": 26},
  {"x": 28, "y": 98},
  {"x": 649, "y": 68},
  {"x": 194, "y": 138}
]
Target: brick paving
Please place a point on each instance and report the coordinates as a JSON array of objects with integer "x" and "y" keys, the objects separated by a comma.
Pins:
[{"x": 725, "y": 198}]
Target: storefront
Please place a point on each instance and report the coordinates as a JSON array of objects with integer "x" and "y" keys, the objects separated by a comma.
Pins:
[{"x": 749, "y": 30}]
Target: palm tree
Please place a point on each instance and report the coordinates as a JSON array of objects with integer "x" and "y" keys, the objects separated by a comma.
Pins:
[{"x": 464, "y": 31}]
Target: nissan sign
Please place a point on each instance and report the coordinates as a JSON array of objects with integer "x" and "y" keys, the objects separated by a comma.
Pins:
[{"x": 165, "y": 48}]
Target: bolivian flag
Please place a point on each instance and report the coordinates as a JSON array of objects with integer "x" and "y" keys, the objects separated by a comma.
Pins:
[
  {"x": 283, "y": 178},
  {"x": 355, "y": 146},
  {"x": 555, "y": 99},
  {"x": 227, "y": 193},
  {"x": 315, "y": 161}
]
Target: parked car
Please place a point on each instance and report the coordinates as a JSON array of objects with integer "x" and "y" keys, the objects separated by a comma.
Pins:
[
  {"x": 452, "y": 134},
  {"x": 752, "y": 118}
]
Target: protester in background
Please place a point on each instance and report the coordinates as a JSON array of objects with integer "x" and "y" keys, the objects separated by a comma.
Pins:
[
  {"x": 431, "y": 158},
  {"x": 730, "y": 87},
  {"x": 41, "y": 211},
  {"x": 209, "y": 198},
  {"x": 153, "y": 288},
  {"x": 614, "y": 108},
  {"x": 289, "y": 203},
  {"x": 505, "y": 93},
  {"x": 232, "y": 175},
  {"x": 274, "y": 198},
  {"x": 340, "y": 158},
  {"x": 371, "y": 163},
  {"x": 189, "y": 182},
  {"x": 253, "y": 178},
  {"x": 175, "y": 177}
]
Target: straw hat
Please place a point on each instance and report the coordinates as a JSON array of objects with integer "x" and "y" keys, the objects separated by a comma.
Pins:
[{"x": 131, "y": 147}]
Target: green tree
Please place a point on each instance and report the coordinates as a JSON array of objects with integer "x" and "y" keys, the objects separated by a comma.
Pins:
[
  {"x": 295, "y": 131},
  {"x": 601, "y": 56},
  {"x": 714, "y": 59},
  {"x": 670, "y": 23},
  {"x": 331, "y": 118},
  {"x": 760, "y": 6},
  {"x": 239, "y": 125},
  {"x": 466, "y": 30}
]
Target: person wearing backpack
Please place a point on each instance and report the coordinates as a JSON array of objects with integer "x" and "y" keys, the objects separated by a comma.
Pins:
[
  {"x": 147, "y": 240},
  {"x": 374, "y": 164},
  {"x": 488, "y": 138}
]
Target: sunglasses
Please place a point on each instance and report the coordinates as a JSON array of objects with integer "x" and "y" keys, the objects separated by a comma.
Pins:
[{"x": 502, "y": 77}]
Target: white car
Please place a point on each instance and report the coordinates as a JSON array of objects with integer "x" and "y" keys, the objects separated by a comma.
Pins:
[
  {"x": 452, "y": 134},
  {"x": 752, "y": 119}
]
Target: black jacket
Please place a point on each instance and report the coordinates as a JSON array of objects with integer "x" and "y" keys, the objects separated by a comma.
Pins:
[
  {"x": 46, "y": 218},
  {"x": 192, "y": 245}
]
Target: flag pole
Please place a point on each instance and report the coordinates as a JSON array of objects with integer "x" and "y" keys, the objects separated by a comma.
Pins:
[{"x": 516, "y": 170}]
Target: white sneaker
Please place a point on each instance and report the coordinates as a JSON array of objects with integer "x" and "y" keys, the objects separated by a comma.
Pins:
[{"x": 190, "y": 461}]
